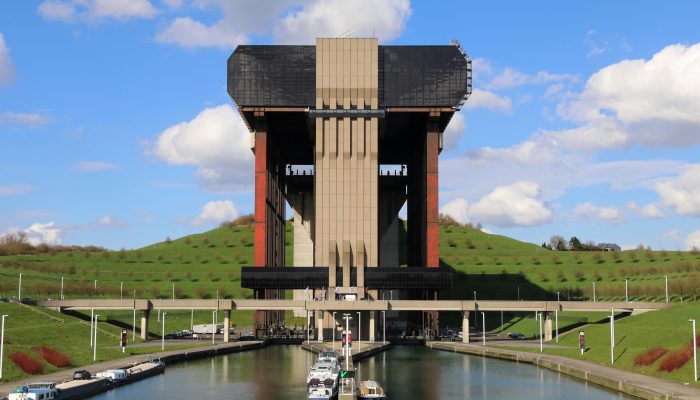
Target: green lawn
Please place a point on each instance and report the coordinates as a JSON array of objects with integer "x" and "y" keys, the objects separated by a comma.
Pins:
[{"x": 634, "y": 336}]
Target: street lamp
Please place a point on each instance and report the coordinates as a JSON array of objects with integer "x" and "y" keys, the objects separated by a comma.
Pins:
[
  {"x": 2, "y": 342},
  {"x": 334, "y": 329},
  {"x": 359, "y": 331},
  {"x": 612, "y": 336},
  {"x": 476, "y": 315},
  {"x": 94, "y": 347},
  {"x": 19, "y": 290},
  {"x": 540, "y": 326},
  {"x": 627, "y": 298},
  {"x": 92, "y": 323},
  {"x": 61, "y": 297},
  {"x": 121, "y": 290},
  {"x": 383, "y": 327},
  {"x": 347, "y": 318},
  {"x": 162, "y": 335},
  {"x": 95, "y": 287},
  {"x": 666, "y": 288},
  {"x": 483, "y": 329},
  {"x": 213, "y": 326},
  {"x": 695, "y": 351},
  {"x": 594, "y": 291}
]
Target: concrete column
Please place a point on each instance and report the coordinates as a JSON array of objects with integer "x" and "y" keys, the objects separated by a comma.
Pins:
[
  {"x": 371, "y": 326},
  {"x": 319, "y": 325},
  {"x": 465, "y": 326},
  {"x": 547, "y": 326},
  {"x": 144, "y": 324},
  {"x": 227, "y": 326}
]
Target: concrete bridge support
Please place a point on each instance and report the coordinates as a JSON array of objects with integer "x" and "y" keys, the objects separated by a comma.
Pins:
[
  {"x": 227, "y": 326},
  {"x": 144, "y": 324},
  {"x": 372, "y": 326},
  {"x": 465, "y": 326},
  {"x": 547, "y": 326}
]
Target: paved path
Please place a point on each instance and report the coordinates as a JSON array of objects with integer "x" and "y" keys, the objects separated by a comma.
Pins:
[
  {"x": 646, "y": 387},
  {"x": 66, "y": 375}
]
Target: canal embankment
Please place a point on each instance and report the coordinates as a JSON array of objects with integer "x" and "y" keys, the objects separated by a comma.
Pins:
[
  {"x": 641, "y": 386},
  {"x": 167, "y": 357}
]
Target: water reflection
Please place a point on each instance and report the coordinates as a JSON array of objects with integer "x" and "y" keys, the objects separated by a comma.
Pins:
[{"x": 407, "y": 373}]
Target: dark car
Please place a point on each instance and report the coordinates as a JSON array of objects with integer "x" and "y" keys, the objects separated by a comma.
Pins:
[
  {"x": 82, "y": 374},
  {"x": 516, "y": 336}
]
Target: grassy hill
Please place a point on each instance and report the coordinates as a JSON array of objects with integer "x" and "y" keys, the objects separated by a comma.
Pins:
[{"x": 199, "y": 266}]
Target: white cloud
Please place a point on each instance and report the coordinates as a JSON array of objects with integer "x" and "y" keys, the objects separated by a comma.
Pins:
[
  {"x": 510, "y": 78},
  {"x": 654, "y": 101},
  {"x": 682, "y": 193},
  {"x": 518, "y": 204},
  {"x": 693, "y": 241},
  {"x": 47, "y": 233},
  {"x": 96, "y": 10},
  {"x": 14, "y": 190},
  {"x": 674, "y": 235},
  {"x": 30, "y": 119},
  {"x": 457, "y": 209},
  {"x": 650, "y": 210},
  {"x": 489, "y": 100},
  {"x": 217, "y": 142},
  {"x": 329, "y": 18},
  {"x": 94, "y": 166},
  {"x": 454, "y": 131},
  {"x": 7, "y": 71},
  {"x": 213, "y": 212},
  {"x": 586, "y": 211},
  {"x": 109, "y": 221}
]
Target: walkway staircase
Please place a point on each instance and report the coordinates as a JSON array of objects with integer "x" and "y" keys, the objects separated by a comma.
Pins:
[
  {"x": 102, "y": 331},
  {"x": 42, "y": 313}
]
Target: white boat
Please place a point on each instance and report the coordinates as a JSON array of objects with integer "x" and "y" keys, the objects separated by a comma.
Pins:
[
  {"x": 370, "y": 390},
  {"x": 323, "y": 372},
  {"x": 322, "y": 393},
  {"x": 113, "y": 375},
  {"x": 35, "y": 391}
]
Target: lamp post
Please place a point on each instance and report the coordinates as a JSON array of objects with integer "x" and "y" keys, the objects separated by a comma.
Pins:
[
  {"x": 476, "y": 315},
  {"x": 121, "y": 290},
  {"x": 383, "y": 327},
  {"x": 612, "y": 336},
  {"x": 94, "y": 347},
  {"x": 173, "y": 291},
  {"x": 133, "y": 330},
  {"x": 92, "y": 323},
  {"x": 347, "y": 318},
  {"x": 666, "y": 277},
  {"x": 483, "y": 328},
  {"x": 334, "y": 328},
  {"x": 213, "y": 326},
  {"x": 162, "y": 335},
  {"x": 359, "y": 331},
  {"x": 695, "y": 350},
  {"x": 627, "y": 298},
  {"x": 2, "y": 342},
  {"x": 540, "y": 326},
  {"x": 61, "y": 296},
  {"x": 192, "y": 319},
  {"x": 594, "y": 292},
  {"x": 19, "y": 290},
  {"x": 95, "y": 287}
]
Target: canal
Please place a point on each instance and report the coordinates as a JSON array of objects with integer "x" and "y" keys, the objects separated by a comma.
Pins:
[{"x": 406, "y": 372}]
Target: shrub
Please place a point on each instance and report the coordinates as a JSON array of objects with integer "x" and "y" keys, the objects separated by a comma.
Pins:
[
  {"x": 451, "y": 243},
  {"x": 674, "y": 360},
  {"x": 650, "y": 356},
  {"x": 54, "y": 357},
  {"x": 26, "y": 363}
]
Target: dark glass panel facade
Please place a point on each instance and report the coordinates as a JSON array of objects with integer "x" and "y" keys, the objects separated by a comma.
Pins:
[{"x": 285, "y": 76}]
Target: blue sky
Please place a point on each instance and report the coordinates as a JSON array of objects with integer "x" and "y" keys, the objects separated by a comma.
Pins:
[{"x": 116, "y": 128}]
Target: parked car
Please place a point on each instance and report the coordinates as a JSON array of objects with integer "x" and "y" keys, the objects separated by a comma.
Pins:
[
  {"x": 516, "y": 336},
  {"x": 82, "y": 374}
]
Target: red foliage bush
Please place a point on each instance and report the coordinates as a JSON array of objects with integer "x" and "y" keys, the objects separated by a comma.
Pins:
[
  {"x": 676, "y": 359},
  {"x": 650, "y": 356},
  {"x": 54, "y": 357},
  {"x": 26, "y": 363}
]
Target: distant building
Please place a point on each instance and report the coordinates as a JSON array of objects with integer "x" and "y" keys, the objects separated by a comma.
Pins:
[{"x": 609, "y": 247}]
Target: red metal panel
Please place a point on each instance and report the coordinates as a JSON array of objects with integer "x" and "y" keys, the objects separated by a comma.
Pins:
[
  {"x": 431, "y": 209},
  {"x": 259, "y": 257}
]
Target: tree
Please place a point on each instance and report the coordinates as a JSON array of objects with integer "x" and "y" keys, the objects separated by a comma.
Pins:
[
  {"x": 575, "y": 244},
  {"x": 557, "y": 242}
]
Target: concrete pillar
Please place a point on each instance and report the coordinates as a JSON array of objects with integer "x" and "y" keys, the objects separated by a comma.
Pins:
[
  {"x": 227, "y": 326},
  {"x": 547, "y": 326},
  {"x": 144, "y": 324},
  {"x": 319, "y": 328},
  {"x": 371, "y": 326},
  {"x": 465, "y": 326}
]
